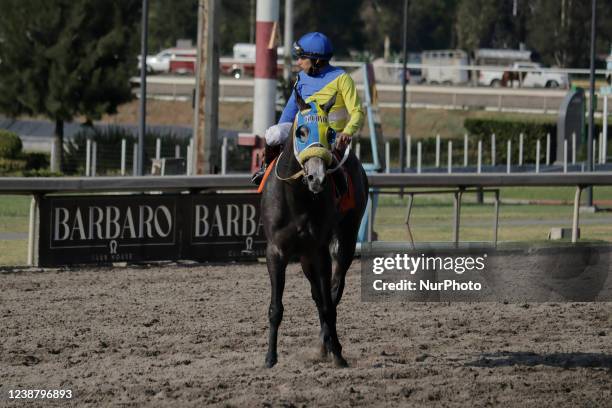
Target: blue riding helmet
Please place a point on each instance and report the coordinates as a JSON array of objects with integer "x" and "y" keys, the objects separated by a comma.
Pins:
[{"x": 314, "y": 46}]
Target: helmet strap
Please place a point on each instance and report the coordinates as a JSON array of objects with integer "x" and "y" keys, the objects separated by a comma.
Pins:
[{"x": 316, "y": 66}]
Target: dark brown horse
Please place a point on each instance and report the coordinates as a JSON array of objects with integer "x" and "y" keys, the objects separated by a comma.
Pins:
[{"x": 302, "y": 221}]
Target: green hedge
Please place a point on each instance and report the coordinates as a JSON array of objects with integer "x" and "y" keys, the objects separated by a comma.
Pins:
[
  {"x": 10, "y": 144},
  {"x": 109, "y": 150},
  {"x": 428, "y": 151},
  {"x": 36, "y": 160},
  {"x": 12, "y": 167},
  {"x": 41, "y": 173},
  {"x": 108, "y": 142},
  {"x": 504, "y": 130}
]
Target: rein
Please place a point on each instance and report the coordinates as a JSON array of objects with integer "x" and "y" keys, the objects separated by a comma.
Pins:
[
  {"x": 290, "y": 178},
  {"x": 301, "y": 172}
]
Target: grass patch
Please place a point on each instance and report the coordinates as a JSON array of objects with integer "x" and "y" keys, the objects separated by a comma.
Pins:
[
  {"x": 507, "y": 193},
  {"x": 14, "y": 206},
  {"x": 14, "y": 214},
  {"x": 13, "y": 252},
  {"x": 422, "y": 123},
  {"x": 432, "y": 221}
]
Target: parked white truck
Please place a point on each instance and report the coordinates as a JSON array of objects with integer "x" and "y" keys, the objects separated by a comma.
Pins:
[{"x": 524, "y": 75}]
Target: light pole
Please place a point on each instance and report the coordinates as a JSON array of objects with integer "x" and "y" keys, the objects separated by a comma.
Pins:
[
  {"x": 288, "y": 40},
  {"x": 143, "y": 87},
  {"x": 592, "y": 100},
  {"x": 264, "y": 87},
  {"x": 403, "y": 107}
]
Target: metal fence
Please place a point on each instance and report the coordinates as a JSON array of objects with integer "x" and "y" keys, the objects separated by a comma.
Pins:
[{"x": 380, "y": 183}]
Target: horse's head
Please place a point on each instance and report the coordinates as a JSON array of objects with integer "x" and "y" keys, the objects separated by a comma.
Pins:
[{"x": 313, "y": 139}]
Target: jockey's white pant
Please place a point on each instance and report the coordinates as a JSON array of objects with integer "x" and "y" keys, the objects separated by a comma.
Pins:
[{"x": 277, "y": 134}]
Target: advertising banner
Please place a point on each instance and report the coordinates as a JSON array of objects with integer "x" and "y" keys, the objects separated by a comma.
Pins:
[
  {"x": 223, "y": 227},
  {"x": 146, "y": 227}
]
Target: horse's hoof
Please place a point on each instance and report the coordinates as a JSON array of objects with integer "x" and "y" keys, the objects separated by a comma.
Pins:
[
  {"x": 340, "y": 362},
  {"x": 323, "y": 351},
  {"x": 271, "y": 361}
]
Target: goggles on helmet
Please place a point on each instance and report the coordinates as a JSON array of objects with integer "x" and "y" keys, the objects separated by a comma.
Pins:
[{"x": 298, "y": 51}]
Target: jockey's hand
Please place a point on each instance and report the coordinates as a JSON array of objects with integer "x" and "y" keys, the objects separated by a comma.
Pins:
[{"x": 342, "y": 141}]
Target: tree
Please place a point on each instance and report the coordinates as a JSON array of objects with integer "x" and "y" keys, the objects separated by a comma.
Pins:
[
  {"x": 338, "y": 19},
  {"x": 489, "y": 24},
  {"x": 170, "y": 21},
  {"x": 430, "y": 24},
  {"x": 63, "y": 58},
  {"x": 561, "y": 30}
]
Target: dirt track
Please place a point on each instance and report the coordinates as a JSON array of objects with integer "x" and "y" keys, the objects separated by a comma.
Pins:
[{"x": 190, "y": 336}]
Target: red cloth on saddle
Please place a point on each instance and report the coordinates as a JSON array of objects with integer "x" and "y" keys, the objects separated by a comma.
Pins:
[
  {"x": 347, "y": 200},
  {"x": 265, "y": 177}
]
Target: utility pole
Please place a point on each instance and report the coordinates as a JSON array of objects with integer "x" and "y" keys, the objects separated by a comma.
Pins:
[
  {"x": 142, "y": 123},
  {"x": 288, "y": 40},
  {"x": 403, "y": 107},
  {"x": 206, "y": 122},
  {"x": 264, "y": 112},
  {"x": 592, "y": 100},
  {"x": 251, "y": 21}
]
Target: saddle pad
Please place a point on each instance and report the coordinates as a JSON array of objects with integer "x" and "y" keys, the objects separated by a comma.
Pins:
[
  {"x": 347, "y": 201},
  {"x": 265, "y": 177}
]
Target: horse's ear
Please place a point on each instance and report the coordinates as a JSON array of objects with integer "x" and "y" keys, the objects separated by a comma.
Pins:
[
  {"x": 302, "y": 105},
  {"x": 328, "y": 105}
]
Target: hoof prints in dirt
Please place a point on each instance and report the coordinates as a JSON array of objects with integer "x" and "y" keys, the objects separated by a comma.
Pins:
[{"x": 191, "y": 336}]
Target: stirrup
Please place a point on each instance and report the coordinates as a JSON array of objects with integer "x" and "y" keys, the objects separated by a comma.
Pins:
[{"x": 258, "y": 176}]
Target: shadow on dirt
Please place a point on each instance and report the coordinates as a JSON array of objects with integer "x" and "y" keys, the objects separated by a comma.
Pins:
[{"x": 564, "y": 360}]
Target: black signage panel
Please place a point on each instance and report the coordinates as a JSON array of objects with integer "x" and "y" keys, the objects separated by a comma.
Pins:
[
  {"x": 104, "y": 229},
  {"x": 131, "y": 228},
  {"x": 223, "y": 227}
]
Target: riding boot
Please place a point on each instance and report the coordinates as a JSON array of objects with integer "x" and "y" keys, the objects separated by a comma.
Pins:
[{"x": 270, "y": 153}]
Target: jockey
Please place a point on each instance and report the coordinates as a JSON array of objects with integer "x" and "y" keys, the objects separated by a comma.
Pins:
[{"x": 318, "y": 81}]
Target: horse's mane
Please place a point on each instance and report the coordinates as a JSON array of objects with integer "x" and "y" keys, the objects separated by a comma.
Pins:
[{"x": 286, "y": 163}]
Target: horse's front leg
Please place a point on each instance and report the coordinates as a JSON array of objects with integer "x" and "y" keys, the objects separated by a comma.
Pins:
[
  {"x": 343, "y": 258},
  {"x": 310, "y": 271},
  {"x": 327, "y": 307},
  {"x": 277, "y": 263}
]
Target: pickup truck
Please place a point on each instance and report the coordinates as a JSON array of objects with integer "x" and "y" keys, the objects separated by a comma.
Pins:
[
  {"x": 526, "y": 79},
  {"x": 171, "y": 60}
]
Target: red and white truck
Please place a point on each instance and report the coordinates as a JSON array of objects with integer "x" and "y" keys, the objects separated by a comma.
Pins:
[
  {"x": 242, "y": 62},
  {"x": 182, "y": 61}
]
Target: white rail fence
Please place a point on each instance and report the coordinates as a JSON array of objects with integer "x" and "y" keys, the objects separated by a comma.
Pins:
[{"x": 415, "y": 156}]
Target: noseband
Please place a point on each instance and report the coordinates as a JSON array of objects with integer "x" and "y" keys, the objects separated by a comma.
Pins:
[{"x": 302, "y": 171}]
